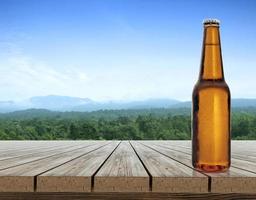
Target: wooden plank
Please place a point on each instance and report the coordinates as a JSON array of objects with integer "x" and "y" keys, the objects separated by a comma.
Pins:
[
  {"x": 169, "y": 175},
  {"x": 245, "y": 150},
  {"x": 245, "y": 144},
  {"x": 74, "y": 165},
  {"x": 27, "y": 152},
  {"x": 179, "y": 148},
  {"x": 242, "y": 157},
  {"x": 20, "y": 147},
  {"x": 7, "y": 163},
  {"x": 22, "y": 178},
  {"x": 76, "y": 175},
  {"x": 20, "y": 144},
  {"x": 241, "y": 162},
  {"x": 123, "y": 196},
  {"x": 233, "y": 180},
  {"x": 33, "y": 146},
  {"x": 122, "y": 172},
  {"x": 244, "y": 164}
]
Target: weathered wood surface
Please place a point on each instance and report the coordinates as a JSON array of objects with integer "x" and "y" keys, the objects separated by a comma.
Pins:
[
  {"x": 98, "y": 168},
  {"x": 234, "y": 180},
  {"x": 21, "y": 178},
  {"x": 122, "y": 172},
  {"x": 76, "y": 175},
  {"x": 169, "y": 175},
  {"x": 123, "y": 196}
]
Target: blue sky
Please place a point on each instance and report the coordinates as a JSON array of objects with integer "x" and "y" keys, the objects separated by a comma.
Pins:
[{"x": 120, "y": 49}]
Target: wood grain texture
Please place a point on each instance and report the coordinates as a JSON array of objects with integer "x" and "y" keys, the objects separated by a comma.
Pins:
[
  {"x": 12, "y": 162},
  {"x": 234, "y": 180},
  {"x": 76, "y": 175},
  {"x": 239, "y": 160},
  {"x": 103, "y": 170},
  {"x": 11, "y": 178},
  {"x": 122, "y": 172},
  {"x": 32, "y": 151},
  {"x": 14, "y": 145},
  {"x": 239, "y": 149},
  {"x": 169, "y": 175},
  {"x": 124, "y": 196}
]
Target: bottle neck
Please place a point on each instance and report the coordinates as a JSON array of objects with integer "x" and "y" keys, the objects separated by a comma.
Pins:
[{"x": 211, "y": 63}]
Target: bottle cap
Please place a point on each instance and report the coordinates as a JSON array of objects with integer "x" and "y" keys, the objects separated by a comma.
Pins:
[{"x": 211, "y": 22}]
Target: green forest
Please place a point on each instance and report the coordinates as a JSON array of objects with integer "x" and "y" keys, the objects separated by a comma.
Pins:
[{"x": 153, "y": 124}]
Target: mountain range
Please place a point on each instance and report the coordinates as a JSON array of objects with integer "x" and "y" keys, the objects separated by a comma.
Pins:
[{"x": 67, "y": 103}]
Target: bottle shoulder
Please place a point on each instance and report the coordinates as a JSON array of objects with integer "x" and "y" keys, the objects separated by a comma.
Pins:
[{"x": 209, "y": 84}]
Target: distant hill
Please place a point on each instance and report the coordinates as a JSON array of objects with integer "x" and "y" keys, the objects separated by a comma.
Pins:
[
  {"x": 117, "y": 105},
  {"x": 8, "y": 106},
  {"x": 244, "y": 103},
  {"x": 108, "y": 114},
  {"x": 235, "y": 103},
  {"x": 66, "y": 103},
  {"x": 53, "y": 102}
]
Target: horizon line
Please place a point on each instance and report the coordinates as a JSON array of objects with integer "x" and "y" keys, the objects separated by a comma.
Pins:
[{"x": 116, "y": 100}]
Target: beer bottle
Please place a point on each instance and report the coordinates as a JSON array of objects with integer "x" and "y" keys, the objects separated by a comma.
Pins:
[{"x": 211, "y": 107}]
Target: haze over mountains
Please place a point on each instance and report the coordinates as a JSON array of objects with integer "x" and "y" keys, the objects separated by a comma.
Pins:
[{"x": 67, "y": 103}]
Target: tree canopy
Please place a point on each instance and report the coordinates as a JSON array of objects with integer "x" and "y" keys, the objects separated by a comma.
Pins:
[{"x": 153, "y": 124}]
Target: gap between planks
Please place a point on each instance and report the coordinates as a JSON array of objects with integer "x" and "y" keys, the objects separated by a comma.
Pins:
[
  {"x": 233, "y": 180},
  {"x": 77, "y": 174},
  {"x": 17, "y": 161},
  {"x": 122, "y": 172},
  {"x": 21, "y": 178},
  {"x": 168, "y": 175}
]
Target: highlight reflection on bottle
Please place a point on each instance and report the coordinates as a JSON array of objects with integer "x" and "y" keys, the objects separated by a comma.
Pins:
[{"x": 211, "y": 107}]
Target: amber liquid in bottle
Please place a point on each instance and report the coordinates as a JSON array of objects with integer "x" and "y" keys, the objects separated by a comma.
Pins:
[{"x": 211, "y": 107}]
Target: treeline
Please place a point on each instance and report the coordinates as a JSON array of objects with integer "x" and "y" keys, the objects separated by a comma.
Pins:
[
  {"x": 122, "y": 125},
  {"x": 122, "y": 128}
]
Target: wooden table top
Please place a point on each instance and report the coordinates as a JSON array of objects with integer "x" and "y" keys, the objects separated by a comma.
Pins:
[{"x": 119, "y": 166}]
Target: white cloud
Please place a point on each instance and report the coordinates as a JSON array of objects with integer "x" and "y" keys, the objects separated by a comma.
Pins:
[{"x": 22, "y": 77}]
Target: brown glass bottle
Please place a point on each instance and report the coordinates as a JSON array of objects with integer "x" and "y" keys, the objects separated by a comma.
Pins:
[{"x": 211, "y": 107}]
